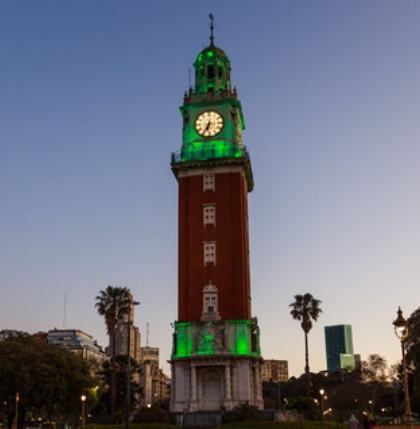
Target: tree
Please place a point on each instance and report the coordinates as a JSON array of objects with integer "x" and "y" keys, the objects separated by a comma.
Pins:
[
  {"x": 346, "y": 393},
  {"x": 49, "y": 379},
  {"x": 413, "y": 357},
  {"x": 101, "y": 411},
  {"x": 375, "y": 369},
  {"x": 113, "y": 304},
  {"x": 306, "y": 308},
  {"x": 376, "y": 375}
]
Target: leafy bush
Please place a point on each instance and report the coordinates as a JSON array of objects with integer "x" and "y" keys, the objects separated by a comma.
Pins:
[
  {"x": 242, "y": 413},
  {"x": 305, "y": 406},
  {"x": 152, "y": 415}
]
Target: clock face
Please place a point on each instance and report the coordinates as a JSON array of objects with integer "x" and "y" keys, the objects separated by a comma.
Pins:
[{"x": 209, "y": 123}]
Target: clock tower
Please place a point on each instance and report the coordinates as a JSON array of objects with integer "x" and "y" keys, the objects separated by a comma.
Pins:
[{"x": 216, "y": 353}]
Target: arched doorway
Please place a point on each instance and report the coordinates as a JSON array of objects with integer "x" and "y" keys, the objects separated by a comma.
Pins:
[{"x": 211, "y": 389}]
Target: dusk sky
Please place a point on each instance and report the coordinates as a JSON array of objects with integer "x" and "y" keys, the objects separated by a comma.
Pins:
[{"x": 89, "y": 97}]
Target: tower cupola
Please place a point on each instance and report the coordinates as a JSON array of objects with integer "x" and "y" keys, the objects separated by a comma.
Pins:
[
  {"x": 212, "y": 71},
  {"x": 212, "y": 68}
]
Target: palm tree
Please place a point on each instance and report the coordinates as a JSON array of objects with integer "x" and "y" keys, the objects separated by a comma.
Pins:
[
  {"x": 113, "y": 304},
  {"x": 306, "y": 308}
]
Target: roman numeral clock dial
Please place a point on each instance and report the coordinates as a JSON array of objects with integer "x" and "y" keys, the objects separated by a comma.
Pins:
[{"x": 209, "y": 123}]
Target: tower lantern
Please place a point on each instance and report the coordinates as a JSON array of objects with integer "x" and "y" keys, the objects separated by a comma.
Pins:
[{"x": 216, "y": 354}]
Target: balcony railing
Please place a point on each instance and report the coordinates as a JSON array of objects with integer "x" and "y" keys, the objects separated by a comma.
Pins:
[{"x": 208, "y": 151}]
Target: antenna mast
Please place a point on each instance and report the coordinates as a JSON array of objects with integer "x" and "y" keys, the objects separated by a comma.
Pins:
[
  {"x": 147, "y": 334},
  {"x": 211, "y": 29},
  {"x": 65, "y": 309}
]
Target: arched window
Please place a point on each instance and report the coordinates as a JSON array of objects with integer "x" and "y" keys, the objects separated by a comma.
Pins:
[
  {"x": 210, "y": 71},
  {"x": 220, "y": 70},
  {"x": 210, "y": 303}
]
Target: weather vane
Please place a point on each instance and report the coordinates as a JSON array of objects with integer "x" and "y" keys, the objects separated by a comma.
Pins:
[{"x": 211, "y": 29}]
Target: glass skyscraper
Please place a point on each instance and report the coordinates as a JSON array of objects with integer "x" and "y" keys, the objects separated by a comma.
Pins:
[{"x": 339, "y": 348}]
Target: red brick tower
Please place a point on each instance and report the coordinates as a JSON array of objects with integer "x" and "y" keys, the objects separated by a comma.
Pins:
[
  {"x": 216, "y": 354},
  {"x": 213, "y": 239}
]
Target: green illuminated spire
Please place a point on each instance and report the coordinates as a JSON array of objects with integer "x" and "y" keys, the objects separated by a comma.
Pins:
[
  {"x": 212, "y": 95},
  {"x": 212, "y": 71},
  {"x": 212, "y": 68}
]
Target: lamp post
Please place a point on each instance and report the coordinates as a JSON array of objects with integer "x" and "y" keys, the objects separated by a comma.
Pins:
[
  {"x": 401, "y": 331},
  {"x": 83, "y": 400},
  {"x": 17, "y": 399},
  {"x": 370, "y": 402},
  {"x": 321, "y": 393},
  {"x": 128, "y": 387}
]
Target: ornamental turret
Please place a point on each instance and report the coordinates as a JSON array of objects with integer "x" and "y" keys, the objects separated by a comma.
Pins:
[
  {"x": 212, "y": 72},
  {"x": 212, "y": 117}
]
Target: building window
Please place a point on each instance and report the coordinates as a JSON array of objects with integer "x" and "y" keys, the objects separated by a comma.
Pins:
[
  {"x": 210, "y": 71},
  {"x": 209, "y": 214},
  {"x": 209, "y": 182},
  {"x": 220, "y": 69},
  {"x": 209, "y": 252},
  {"x": 210, "y": 303}
]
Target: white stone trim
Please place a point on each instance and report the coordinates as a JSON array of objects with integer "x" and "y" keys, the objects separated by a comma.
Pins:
[
  {"x": 209, "y": 181},
  {"x": 216, "y": 170},
  {"x": 209, "y": 252},
  {"x": 240, "y": 383},
  {"x": 209, "y": 214},
  {"x": 210, "y": 303}
]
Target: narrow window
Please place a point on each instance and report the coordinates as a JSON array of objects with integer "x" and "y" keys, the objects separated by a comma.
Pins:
[
  {"x": 209, "y": 182},
  {"x": 210, "y": 71},
  {"x": 210, "y": 303},
  {"x": 220, "y": 70},
  {"x": 209, "y": 252},
  {"x": 209, "y": 214}
]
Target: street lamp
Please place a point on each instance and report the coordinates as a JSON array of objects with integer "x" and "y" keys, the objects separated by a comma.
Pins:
[
  {"x": 401, "y": 331},
  {"x": 83, "y": 399},
  {"x": 17, "y": 399},
  {"x": 321, "y": 392},
  {"x": 371, "y": 406},
  {"x": 128, "y": 387}
]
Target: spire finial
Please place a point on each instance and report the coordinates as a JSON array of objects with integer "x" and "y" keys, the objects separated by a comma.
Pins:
[{"x": 211, "y": 29}]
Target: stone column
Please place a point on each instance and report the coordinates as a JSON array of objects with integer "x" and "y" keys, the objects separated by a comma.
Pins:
[
  {"x": 227, "y": 383},
  {"x": 193, "y": 393},
  {"x": 173, "y": 387},
  {"x": 259, "y": 394},
  {"x": 244, "y": 376}
]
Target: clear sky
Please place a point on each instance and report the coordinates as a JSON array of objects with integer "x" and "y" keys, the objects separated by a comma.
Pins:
[{"x": 89, "y": 96}]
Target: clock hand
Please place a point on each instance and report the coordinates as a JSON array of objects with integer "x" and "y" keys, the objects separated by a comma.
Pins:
[{"x": 208, "y": 126}]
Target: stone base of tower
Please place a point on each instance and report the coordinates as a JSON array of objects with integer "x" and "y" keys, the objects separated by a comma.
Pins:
[{"x": 214, "y": 384}]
